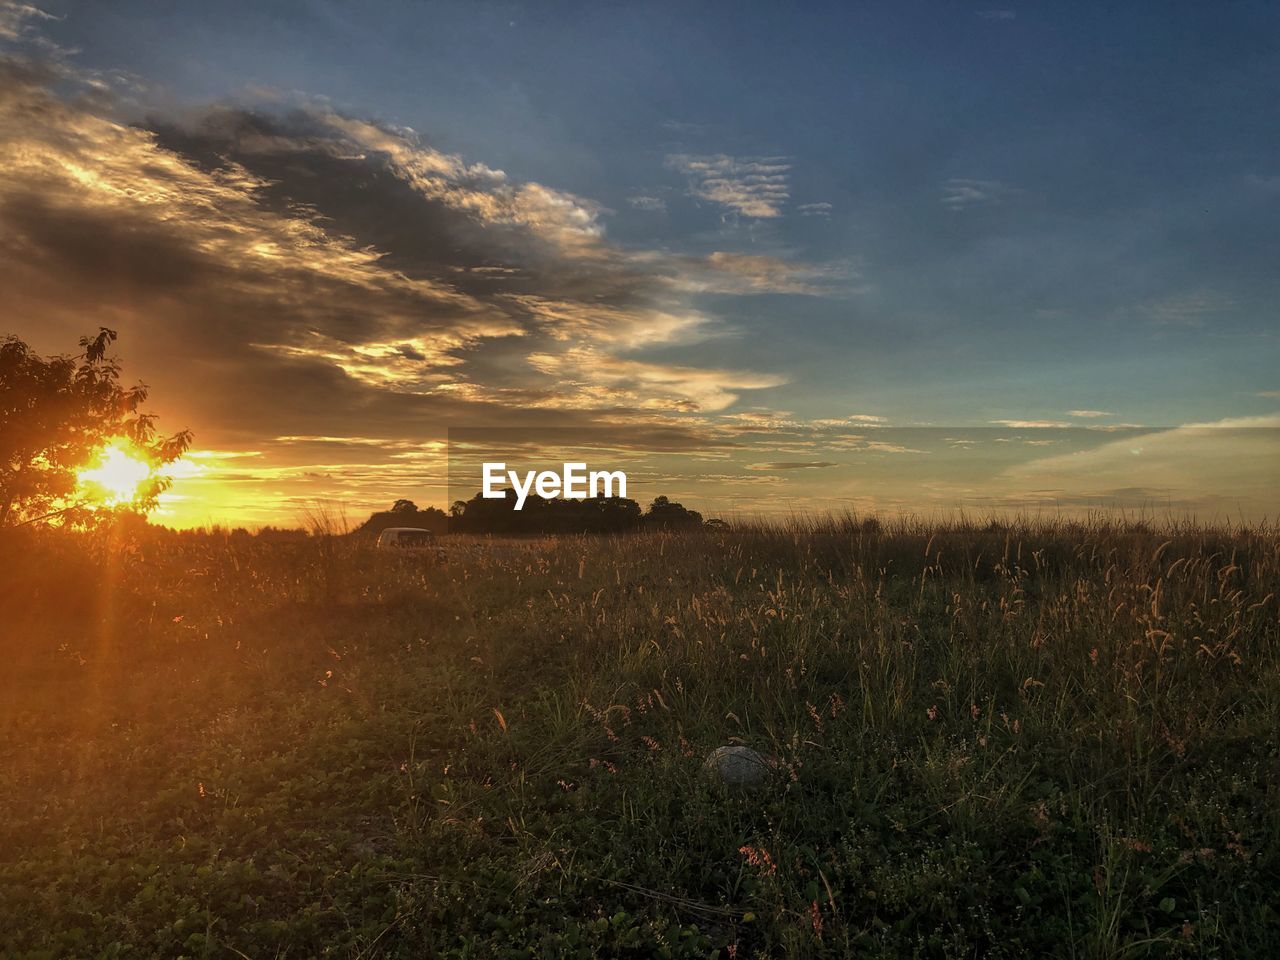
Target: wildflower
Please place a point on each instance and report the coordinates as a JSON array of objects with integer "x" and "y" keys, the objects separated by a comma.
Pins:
[
  {"x": 815, "y": 716},
  {"x": 759, "y": 857},
  {"x": 816, "y": 919},
  {"x": 1139, "y": 846},
  {"x": 933, "y": 712}
]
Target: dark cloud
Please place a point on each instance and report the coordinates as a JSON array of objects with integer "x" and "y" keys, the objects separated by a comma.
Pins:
[{"x": 296, "y": 272}]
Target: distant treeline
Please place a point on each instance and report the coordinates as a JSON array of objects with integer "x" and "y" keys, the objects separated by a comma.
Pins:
[
  {"x": 405, "y": 513},
  {"x": 539, "y": 516}
]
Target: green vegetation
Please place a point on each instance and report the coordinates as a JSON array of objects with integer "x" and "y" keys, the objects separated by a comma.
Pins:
[{"x": 1050, "y": 740}]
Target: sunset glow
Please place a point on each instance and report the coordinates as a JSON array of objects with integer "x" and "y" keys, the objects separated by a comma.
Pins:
[
  {"x": 660, "y": 479},
  {"x": 116, "y": 477},
  {"x": 897, "y": 313}
]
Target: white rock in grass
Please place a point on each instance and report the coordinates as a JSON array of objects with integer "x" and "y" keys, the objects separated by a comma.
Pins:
[{"x": 737, "y": 766}]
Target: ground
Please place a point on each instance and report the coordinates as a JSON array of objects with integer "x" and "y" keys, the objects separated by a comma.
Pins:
[{"x": 988, "y": 741}]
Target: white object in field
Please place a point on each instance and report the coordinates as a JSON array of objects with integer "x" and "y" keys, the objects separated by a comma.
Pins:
[
  {"x": 737, "y": 766},
  {"x": 406, "y": 538}
]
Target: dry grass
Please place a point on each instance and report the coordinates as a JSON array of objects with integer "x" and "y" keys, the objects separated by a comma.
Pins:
[{"x": 991, "y": 740}]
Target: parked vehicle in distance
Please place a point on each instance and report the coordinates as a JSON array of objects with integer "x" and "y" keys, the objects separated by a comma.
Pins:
[{"x": 406, "y": 538}]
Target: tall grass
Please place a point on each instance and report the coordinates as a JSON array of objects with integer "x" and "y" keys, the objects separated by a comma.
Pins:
[{"x": 988, "y": 739}]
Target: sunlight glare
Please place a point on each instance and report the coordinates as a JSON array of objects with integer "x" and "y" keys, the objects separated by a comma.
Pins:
[{"x": 117, "y": 477}]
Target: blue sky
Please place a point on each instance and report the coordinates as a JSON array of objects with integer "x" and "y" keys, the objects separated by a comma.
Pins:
[{"x": 936, "y": 214}]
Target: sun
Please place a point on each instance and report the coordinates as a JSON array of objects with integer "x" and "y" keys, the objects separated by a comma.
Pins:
[{"x": 117, "y": 475}]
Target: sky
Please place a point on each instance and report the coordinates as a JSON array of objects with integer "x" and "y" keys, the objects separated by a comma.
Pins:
[{"x": 880, "y": 257}]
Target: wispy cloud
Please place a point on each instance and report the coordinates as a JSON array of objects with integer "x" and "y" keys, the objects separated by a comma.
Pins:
[
  {"x": 647, "y": 204},
  {"x": 1188, "y": 310},
  {"x": 870, "y": 446},
  {"x": 1227, "y": 465},
  {"x": 853, "y": 419},
  {"x": 610, "y": 381},
  {"x": 960, "y": 194},
  {"x": 1034, "y": 424},
  {"x": 19, "y": 21},
  {"x": 792, "y": 465},
  {"x": 756, "y": 187},
  {"x": 749, "y": 273},
  {"x": 822, "y": 209},
  {"x": 1089, "y": 414}
]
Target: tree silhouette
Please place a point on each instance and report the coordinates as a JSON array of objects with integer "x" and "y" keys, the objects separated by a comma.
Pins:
[
  {"x": 557, "y": 515},
  {"x": 55, "y": 414},
  {"x": 405, "y": 513},
  {"x": 539, "y": 515},
  {"x": 664, "y": 512}
]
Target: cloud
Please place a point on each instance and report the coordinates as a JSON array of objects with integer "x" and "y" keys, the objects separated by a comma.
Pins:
[
  {"x": 870, "y": 446},
  {"x": 792, "y": 465},
  {"x": 19, "y": 21},
  {"x": 1186, "y": 311},
  {"x": 288, "y": 271},
  {"x": 614, "y": 381},
  {"x": 757, "y": 187},
  {"x": 758, "y": 420},
  {"x": 822, "y": 209},
  {"x": 1268, "y": 394},
  {"x": 570, "y": 222},
  {"x": 960, "y": 194},
  {"x": 1089, "y": 414},
  {"x": 648, "y": 204},
  {"x": 628, "y": 327},
  {"x": 854, "y": 419},
  {"x": 743, "y": 273},
  {"x": 440, "y": 256},
  {"x": 1035, "y": 424},
  {"x": 1226, "y": 466}
]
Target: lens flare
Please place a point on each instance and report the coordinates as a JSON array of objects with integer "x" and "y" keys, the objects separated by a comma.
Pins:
[{"x": 117, "y": 476}]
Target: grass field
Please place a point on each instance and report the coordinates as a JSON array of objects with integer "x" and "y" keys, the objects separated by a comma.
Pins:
[{"x": 1046, "y": 740}]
